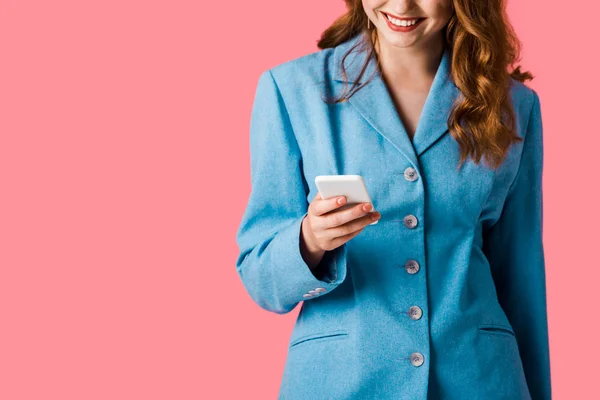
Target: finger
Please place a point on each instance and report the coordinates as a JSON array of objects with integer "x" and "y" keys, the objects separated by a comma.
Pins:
[
  {"x": 342, "y": 217},
  {"x": 338, "y": 241},
  {"x": 323, "y": 206},
  {"x": 342, "y": 234},
  {"x": 352, "y": 226}
]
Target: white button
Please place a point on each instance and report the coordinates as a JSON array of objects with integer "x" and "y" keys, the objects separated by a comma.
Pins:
[
  {"x": 412, "y": 266},
  {"x": 320, "y": 290},
  {"x": 307, "y": 295},
  {"x": 415, "y": 312},
  {"x": 417, "y": 359},
  {"x": 312, "y": 291},
  {"x": 410, "y": 174},
  {"x": 410, "y": 221}
]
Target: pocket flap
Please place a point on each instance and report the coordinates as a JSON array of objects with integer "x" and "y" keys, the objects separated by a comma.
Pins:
[
  {"x": 317, "y": 336},
  {"x": 497, "y": 329}
]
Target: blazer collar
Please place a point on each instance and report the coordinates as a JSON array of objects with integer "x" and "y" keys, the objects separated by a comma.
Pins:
[{"x": 374, "y": 102}]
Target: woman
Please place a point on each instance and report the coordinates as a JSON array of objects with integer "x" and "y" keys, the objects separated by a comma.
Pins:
[{"x": 445, "y": 297}]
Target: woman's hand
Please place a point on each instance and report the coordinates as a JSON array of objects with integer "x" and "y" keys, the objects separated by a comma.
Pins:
[{"x": 326, "y": 226}]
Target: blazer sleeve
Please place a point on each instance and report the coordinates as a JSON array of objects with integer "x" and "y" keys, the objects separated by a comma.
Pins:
[
  {"x": 270, "y": 264},
  {"x": 515, "y": 251}
]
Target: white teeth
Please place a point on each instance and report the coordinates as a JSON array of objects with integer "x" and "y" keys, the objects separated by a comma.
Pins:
[{"x": 402, "y": 22}]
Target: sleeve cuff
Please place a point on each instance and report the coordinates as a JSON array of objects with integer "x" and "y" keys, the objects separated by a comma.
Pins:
[{"x": 298, "y": 281}]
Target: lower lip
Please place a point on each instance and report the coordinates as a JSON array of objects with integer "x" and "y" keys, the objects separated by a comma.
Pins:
[{"x": 397, "y": 28}]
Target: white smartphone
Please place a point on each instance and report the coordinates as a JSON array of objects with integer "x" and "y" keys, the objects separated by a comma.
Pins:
[{"x": 351, "y": 186}]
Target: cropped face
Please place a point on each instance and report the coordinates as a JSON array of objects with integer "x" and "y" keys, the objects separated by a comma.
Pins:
[{"x": 405, "y": 23}]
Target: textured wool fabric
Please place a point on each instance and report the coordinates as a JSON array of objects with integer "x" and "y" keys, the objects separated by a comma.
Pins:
[{"x": 477, "y": 243}]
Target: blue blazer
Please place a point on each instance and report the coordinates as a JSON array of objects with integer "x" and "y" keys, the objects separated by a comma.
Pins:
[{"x": 445, "y": 297}]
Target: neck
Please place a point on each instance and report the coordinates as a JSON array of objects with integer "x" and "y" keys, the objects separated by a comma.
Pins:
[{"x": 413, "y": 63}]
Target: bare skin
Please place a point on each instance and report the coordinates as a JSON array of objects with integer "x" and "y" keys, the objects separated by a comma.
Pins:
[
  {"x": 409, "y": 85},
  {"x": 409, "y": 103},
  {"x": 409, "y": 60},
  {"x": 325, "y": 227}
]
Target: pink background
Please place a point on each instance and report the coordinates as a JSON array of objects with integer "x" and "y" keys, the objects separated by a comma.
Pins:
[{"x": 120, "y": 121}]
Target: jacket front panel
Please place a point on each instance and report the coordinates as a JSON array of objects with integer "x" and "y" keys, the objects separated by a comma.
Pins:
[{"x": 422, "y": 304}]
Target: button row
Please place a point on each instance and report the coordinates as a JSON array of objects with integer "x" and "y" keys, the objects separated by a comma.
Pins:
[
  {"x": 315, "y": 292},
  {"x": 412, "y": 267}
]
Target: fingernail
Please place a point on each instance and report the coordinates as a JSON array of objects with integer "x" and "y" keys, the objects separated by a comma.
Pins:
[
  {"x": 367, "y": 207},
  {"x": 341, "y": 200},
  {"x": 375, "y": 216}
]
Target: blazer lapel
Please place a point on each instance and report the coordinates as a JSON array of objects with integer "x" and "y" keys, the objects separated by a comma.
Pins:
[
  {"x": 433, "y": 122},
  {"x": 374, "y": 103}
]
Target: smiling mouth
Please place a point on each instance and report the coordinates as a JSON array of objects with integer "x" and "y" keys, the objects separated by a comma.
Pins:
[{"x": 398, "y": 21}]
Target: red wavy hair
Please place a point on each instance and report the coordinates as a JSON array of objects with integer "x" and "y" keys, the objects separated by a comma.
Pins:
[{"x": 483, "y": 45}]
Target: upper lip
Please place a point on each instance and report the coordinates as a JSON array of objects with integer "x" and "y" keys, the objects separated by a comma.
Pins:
[{"x": 401, "y": 18}]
